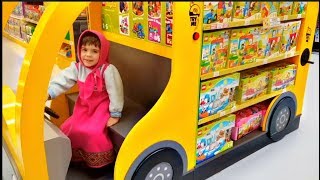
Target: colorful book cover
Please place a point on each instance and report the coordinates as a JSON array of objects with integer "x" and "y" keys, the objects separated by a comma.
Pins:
[
  {"x": 168, "y": 22},
  {"x": 110, "y": 16},
  {"x": 139, "y": 19},
  {"x": 124, "y": 18},
  {"x": 289, "y": 36},
  {"x": 154, "y": 21}
]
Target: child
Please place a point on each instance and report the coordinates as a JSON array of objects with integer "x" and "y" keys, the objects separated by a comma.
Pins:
[{"x": 99, "y": 104}]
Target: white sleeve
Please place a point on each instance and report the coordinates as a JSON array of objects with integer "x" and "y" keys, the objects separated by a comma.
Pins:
[
  {"x": 114, "y": 88},
  {"x": 63, "y": 81}
]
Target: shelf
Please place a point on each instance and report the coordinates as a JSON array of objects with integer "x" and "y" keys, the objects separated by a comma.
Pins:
[
  {"x": 15, "y": 39},
  {"x": 213, "y": 26},
  {"x": 246, "y": 104},
  {"x": 248, "y": 66},
  {"x": 150, "y": 47}
]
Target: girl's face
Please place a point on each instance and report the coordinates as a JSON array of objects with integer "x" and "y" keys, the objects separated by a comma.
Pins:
[{"x": 90, "y": 55}]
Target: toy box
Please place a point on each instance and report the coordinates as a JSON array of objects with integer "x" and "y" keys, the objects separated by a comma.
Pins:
[
  {"x": 281, "y": 76},
  {"x": 253, "y": 83},
  {"x": 285, "y": 8},
  {"x": 269, "y": 42},
  {"x": 289, "y": 36},
  {"x": 206, "y": 65},
  {"x": 219, "y": 49},
  {"x": 214, "y": 51},
  {"x": 243, "y": 46},
  {"x": 248, "y": 120},
  {"x": 217, "y": 12},
  {"x": 214, "y": 137},
  {"x": 217, "y": 95},
  {"x": 269, "y": 9},
  {"x": 246, "y": 10},
  {"x": 299, "y": 7}
]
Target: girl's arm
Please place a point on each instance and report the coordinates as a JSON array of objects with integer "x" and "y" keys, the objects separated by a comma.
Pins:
[
  {"x": 114, "y": 88},
  {"x": 63, "y": 81}
]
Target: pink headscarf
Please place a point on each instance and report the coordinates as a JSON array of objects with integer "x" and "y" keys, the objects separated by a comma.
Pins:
[{"x": 104, "y": 59}]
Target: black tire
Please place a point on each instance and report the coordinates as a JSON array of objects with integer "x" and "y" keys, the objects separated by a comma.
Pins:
[
  {"x": 166, "y": 158},
  {"x": 283, "y": 113}
]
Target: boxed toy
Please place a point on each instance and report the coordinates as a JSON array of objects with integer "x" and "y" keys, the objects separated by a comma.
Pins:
[
  {"x": 246, "y": 10},
  {"x": 289, "y": 36},
  {"x": 299, "y": 7},
  {"x": 285, "y": 8},
  {"x": 269, "y": 42},
  {"x": 269, "y": 9},
  {"x": 217, "y": 95},
  {"x": 206, "y": 65},
  {"x": 248, "y": 120},
  {"x": 217, "y": 12},
  {"x": 253, "y": 83},
  {"x": 219, "y": 49},
  {"x": 214, "y": 138},
  {"x": 243, "y": 46},
  {"x": 281, "y": 76}
]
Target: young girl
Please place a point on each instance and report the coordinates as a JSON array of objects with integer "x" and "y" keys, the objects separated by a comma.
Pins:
[{"x": 99, "y": 104}]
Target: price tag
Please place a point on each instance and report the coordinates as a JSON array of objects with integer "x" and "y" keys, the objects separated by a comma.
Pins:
[
  {"x": 216, "y": 73},
  {"x": 285, "y": 17},
  {"x": 299, "y": 16},
  {"x": 222, "y": 113},
  {"x": 219, "y": 26},
  {"x": 247, "y": 22},
  {"x": 265, "y": 61}
]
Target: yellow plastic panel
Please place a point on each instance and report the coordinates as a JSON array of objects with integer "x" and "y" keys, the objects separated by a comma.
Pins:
[
  {"x": 33, "y": 83},
  {"x": 174, "y": 116},
  {"x": 307, "y": 28}
]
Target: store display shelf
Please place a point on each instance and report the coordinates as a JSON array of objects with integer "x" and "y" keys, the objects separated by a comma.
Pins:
[
  {"x": 248, "y": 66},
  {"x": 15, "y": 39},
  {"x": 150, "y": 47},
  {"x": 238, "y": 107},
  {"x": 233, "y": 24}
]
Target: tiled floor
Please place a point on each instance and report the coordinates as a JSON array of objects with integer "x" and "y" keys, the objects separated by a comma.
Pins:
[{"x": 295, "y": 157}]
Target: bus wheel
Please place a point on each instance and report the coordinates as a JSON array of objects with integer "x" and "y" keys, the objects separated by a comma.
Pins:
[
  {"x": 164, "y": 164},
  {"x": 280, "y": 117}
]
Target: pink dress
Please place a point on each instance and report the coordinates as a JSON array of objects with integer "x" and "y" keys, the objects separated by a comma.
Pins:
[{"x": 86, "y": 128}]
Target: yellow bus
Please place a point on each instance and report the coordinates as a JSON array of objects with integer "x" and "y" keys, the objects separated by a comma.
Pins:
[{"x": 157, "y": 135}]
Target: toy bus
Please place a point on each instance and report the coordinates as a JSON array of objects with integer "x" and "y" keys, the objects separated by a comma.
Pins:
[{"x": 157, "y": 135}]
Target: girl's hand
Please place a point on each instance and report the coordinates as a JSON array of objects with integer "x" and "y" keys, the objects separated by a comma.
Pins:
[{"x": 112, "y": 121}]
